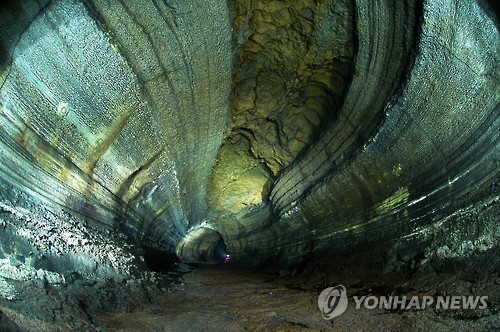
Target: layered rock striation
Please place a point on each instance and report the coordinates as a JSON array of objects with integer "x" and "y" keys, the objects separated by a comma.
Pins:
[{"x": 278, "y": 129}]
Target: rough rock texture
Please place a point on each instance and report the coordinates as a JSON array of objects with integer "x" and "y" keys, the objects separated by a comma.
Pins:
[
  {"x": 292, "y": 64},
  {"x": 415, "y": 137},
  {"x": 98, "y": 106},
  {"x": 279, "y": 129}
]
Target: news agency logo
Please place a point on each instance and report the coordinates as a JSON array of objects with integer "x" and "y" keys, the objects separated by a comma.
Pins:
[{"x": 333, "y": 302}]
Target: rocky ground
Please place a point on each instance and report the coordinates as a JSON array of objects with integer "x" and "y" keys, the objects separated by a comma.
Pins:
[
  {"x": 229, "y": 298},
  {"x": 424, "y": 263},
  {"x": 232, "y": 298},
  {"x": 104, "y": 285}
]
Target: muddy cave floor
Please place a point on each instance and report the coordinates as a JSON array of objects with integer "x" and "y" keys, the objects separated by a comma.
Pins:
[{"x": 229, "y": 297}]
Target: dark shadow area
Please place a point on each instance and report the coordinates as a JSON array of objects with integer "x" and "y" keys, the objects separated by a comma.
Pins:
[
  {"x": 373, "y": 271},
  {"x": 160, "y": 261},
  {"x": 492, "y": 8},
  {"x": 7, "y": 325}
]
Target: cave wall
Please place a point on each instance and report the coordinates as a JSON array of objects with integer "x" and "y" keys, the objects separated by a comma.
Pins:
[
  {"x": 434, "y": 145},
  {"x": 282, "y": 128},
  {"x": 115, "y": 111}
]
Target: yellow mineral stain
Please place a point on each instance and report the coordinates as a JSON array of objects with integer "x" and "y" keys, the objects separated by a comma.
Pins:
[
  {"x": 107, "y": 139},
  {"x": 54, "y": 140},
  {"x": 397, "y": 199}
]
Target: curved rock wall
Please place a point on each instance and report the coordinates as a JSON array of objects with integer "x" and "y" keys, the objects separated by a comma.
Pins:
[
  {"x": 414, "y": 140},
  {"x": 116, "y": 111},
  {"x": 285, "y": 128}
]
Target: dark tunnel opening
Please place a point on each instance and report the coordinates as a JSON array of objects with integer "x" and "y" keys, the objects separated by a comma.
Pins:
[{"x": 220, "y": 251}]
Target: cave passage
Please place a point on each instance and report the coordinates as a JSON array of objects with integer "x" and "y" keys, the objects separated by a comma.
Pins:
[{"x": 339, "y": 145}]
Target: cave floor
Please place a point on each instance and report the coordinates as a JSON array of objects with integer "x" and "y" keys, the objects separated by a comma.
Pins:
[{"x": 227, "y": 298}]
